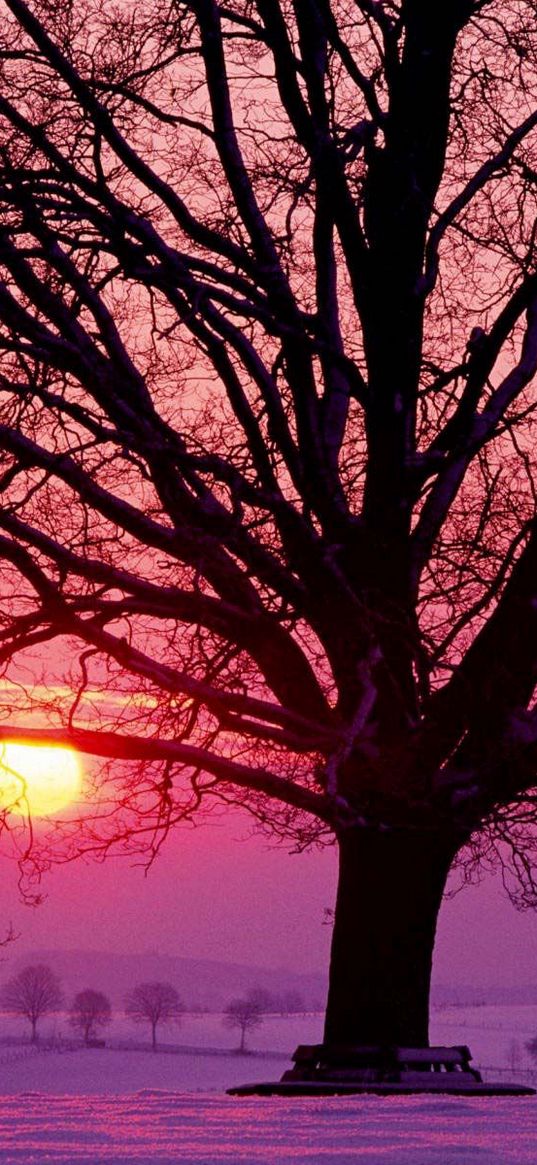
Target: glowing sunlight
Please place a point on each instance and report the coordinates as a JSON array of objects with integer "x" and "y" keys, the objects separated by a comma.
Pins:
[{"x": 41, "y": 780}]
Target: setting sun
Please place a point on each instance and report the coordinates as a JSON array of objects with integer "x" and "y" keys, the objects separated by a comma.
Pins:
[{"x": 43, "y": 780}]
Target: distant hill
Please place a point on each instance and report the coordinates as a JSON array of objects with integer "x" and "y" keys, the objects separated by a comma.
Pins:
[
  {"x": 207, "y": 984},
  {"x": 201, "y": 983},
  {"x": 474, "y": 995}
]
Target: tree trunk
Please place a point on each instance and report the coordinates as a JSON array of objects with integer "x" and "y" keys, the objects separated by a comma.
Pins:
[
  {"x": 389, "y": 894},
  {"x": 154, "y": 1035},
  {"x": 34, "y": 1030}
]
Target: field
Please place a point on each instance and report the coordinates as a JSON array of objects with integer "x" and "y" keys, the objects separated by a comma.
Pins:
[{"x": 122, "y": 1103}]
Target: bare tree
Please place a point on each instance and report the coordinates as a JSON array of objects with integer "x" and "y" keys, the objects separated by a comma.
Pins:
[
  {"x": 89, "y": 1011},
  {"x": 153, "y": 1003},
  {"x": 264, "y": 1000},
  {"x": 34, "y": 992},
  {"x": 244, "y": 1014},
  {"x": 268, "y": 337},
  {"x": 514, "y": 1055},
  {"x": 291, "y": 1002}
]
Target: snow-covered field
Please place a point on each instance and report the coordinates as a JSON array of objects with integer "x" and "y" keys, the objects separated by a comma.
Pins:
[
  {"x": 158, "y": 1128},
  {"x": 63, "y": 1105}
]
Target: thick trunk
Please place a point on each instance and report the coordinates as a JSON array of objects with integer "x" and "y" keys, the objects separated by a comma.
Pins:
[{"x": 390, "y": 888}]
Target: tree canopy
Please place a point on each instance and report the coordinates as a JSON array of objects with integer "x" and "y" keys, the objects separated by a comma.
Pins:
[
  {"x": 245, "y": 1014},
  {"x": 33, "y": 992},
  {"x": 268, "y": 336},
  {"x": 89, "y": 1011},
  {"x": 153, "y": 1003}
]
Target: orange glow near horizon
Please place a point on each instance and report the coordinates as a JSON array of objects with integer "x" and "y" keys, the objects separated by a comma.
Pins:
[{"x": 41, "y": 780}]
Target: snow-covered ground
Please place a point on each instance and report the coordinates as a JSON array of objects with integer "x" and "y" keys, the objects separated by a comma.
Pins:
[
  {"x": 64, "y": 1105},
  {"x": 158, "y": 1128}
]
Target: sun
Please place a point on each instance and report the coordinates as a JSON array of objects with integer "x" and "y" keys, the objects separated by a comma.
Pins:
[{"x": 42, "y": 780}]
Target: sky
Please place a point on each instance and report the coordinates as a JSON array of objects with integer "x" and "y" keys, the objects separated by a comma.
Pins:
[{"x": 219, "y": 891}]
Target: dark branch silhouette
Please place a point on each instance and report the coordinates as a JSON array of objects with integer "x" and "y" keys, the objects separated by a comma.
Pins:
[{"x": 268, "y": 343}]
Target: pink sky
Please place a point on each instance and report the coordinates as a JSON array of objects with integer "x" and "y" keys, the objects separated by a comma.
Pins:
[{"x": 214, "y": 895}]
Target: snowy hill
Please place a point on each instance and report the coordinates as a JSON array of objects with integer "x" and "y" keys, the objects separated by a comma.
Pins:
[
  {"x": 207, "y": 984},
  {"x": 202, "y": 983},
  {"x": 478, "y": 995}
]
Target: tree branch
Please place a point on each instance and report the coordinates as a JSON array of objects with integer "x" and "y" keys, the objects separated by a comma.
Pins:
[{"x": 120, "y": 747}]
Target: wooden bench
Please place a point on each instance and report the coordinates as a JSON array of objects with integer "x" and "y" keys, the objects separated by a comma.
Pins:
[{"x": 369, "y": 1063}]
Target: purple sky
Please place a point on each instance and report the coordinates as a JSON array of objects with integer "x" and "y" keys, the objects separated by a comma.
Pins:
[{"x": 213, "y": 895}]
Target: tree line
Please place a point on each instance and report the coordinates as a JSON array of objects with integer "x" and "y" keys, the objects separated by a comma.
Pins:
[{"x": 36, "y": 991}]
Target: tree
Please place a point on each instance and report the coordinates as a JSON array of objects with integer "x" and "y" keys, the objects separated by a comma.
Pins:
[
  {"x": 244, "y": 1014},
  {"x": 291, "y": 1002},
  {"x": 269, "y": 340},
  {"x": 153, "y": 1003},
  {"x": 89, "y": 1011},
  {"x": 264, "y": 1000},
  {"x": 514, "y": 1055},
  {"x": 34, "y": 992}
]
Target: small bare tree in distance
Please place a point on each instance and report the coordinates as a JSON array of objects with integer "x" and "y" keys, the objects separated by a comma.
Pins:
[
  {"x": 35, "y": 991},
  {"x": 291, "y": 1002},
  {"x": 265, "y": 1000},
  {"x": 244, "y": 1014},
  {"x": 89, "y": 1011},
  {"x": 153, "y": 1003}
]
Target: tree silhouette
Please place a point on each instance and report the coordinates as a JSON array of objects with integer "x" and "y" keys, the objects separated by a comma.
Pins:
[
  {"x": 268, "y": 344},
  {"x": 153, "y": 1003},
  {"x": 244, "y": 1014},
  {"x": 89, "y": 1011},
  {"x": 265, "y": 1001},
  {"x": 34, "y": 992}
]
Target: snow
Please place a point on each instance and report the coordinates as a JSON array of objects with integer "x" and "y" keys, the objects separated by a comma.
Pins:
[
  {"x": 117, "y": 1071},
  {"x": 65, "y": 1105},
  {"x": 153, "y": 1128}
]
